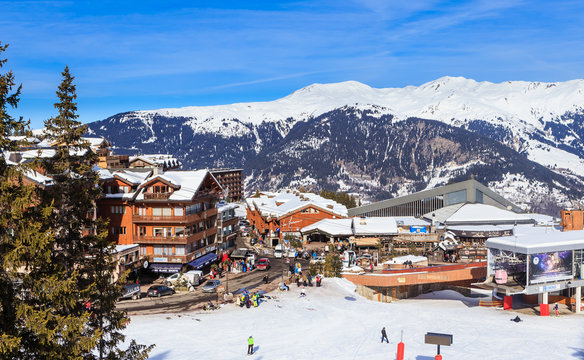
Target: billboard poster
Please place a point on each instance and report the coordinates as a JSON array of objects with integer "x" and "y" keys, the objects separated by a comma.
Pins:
[
  {"x": 552, "y": 266},
  {"x": 418, "y": 229}
]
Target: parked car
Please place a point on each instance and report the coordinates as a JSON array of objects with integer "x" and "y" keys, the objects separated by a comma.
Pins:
[
  {"x": 159, "y": 290},
  {"x": 130, "y": 291},
  {"x": 194, "y": 277},
  {"x": 317, "y": 260},
  {"x": 278, "y": 254},
  {"x": 172, "y": 279},
  {"x": 291, "y": 253},
  {"x": 263, "y": 264},
  {"x": 211, "y": 286}
]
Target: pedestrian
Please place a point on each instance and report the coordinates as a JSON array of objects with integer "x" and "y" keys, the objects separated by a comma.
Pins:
[
  {"x": 384, "y": 335},
  {"x": 303, "y": 292},
  {"x": 250, "y": 345},
  {"x": 371, "y": 266},
  {"x": 556, "y": 309}
]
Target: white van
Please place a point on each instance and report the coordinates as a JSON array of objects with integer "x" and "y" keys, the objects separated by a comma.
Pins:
[
  {"x": 278, "y": 253},
  {"x": 194, "y": 277}
]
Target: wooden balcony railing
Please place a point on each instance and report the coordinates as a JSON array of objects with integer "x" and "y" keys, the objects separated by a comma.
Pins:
[
  {"x": 157, "y": 196},
  {"x": 175, "y": 219}
]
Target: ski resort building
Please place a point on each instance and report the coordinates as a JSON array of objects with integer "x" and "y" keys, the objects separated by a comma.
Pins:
[
  {"x": 537, "y": 261},
  {"x": 427, "y": 201},
  {"x": 231, "y": 180},
  {"x": 275, "y": 215},
  {"x": 172, "y": 215}
]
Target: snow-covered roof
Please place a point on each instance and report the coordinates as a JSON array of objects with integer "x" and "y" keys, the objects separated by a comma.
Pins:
[
  {"x": 403, "y": 259},
  {"x": 38, "y": 178},
  {"x": 122, "y": 248},
  {"x": 479, "y": 228},
  {"x": 188, "y": 182},
  {"x": 374, "y": 226},
  {"x": 410, "y": 221},
  {"x": 477, "y": 214},
  {"x": 157, "y": 159},
  {"x": 354, "y": 226},
  {"x": 283, "y": 203},
  {"x": 332, "y": 227},
  {"x": 134, "y": 178},
  {"x": 535, "y": 240},
  {"x": 227, "y": 207},
  {"x": 544, "y": 220}
]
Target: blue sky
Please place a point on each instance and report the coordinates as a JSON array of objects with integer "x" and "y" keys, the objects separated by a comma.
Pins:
[{"x": 134, "y": 55}]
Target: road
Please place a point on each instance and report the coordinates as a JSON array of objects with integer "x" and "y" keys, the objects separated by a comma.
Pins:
[{"x": 188, "y": 301}]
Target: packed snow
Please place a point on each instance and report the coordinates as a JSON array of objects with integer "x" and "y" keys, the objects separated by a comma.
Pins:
[{"x": 333, "y": 322}]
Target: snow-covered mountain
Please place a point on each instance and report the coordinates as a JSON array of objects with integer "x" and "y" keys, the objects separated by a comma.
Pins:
[{"x": 543, "y": 121}]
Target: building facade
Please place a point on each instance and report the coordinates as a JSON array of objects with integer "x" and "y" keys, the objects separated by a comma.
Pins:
[
  {"x": 172, "y": 216},
  {"x": 275, "y": 215},
  {"x": 231, "y": 180}
]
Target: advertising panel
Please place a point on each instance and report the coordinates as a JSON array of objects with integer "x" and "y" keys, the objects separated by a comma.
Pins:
[
  {"x": 553, "y": 266},
  {"x": 418, "y": 229}
]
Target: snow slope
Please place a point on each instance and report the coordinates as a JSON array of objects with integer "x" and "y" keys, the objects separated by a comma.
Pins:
[{"x": 333, "y": 322}]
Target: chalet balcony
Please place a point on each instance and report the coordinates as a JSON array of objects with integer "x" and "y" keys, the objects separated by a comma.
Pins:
[
  {"x": 169, "y": 240},
  {"x": 157, "y": 196},
  {"x": 191, "y": 218},
  {"x": 162, "y": 240}
]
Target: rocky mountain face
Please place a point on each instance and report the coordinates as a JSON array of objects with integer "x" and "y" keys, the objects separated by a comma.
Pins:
[{"x": 522, "y": 139}]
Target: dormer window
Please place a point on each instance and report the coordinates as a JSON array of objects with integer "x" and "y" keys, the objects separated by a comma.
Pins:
[{"x": 159, "y": 189}]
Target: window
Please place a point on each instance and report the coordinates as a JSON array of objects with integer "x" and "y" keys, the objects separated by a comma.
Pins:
[
  {"x": 179, "y": 250},
  {"x": 143, "y": 250},
  {"x": 142, "y": 230},
  {"x": 201, "y": 226},
  {"x": 455, "y": 197},
  {"x": 166, "y": 212},
  {"x": 168, "y": 232},
  {"x": 114, "y": 230},
  {"x": 178, "y": 211},
  {"x": 122, "y": 230},
  {"x": 157, "y": 211},
  {"x": 157, "y": 231},
  {"x": 160, "y": 189},
  {"x": 118, "y": 209},
  {"x": 141, "y": 211},
  {"x": 179, "y": 231},
  {"x": 157, "y": 250}
]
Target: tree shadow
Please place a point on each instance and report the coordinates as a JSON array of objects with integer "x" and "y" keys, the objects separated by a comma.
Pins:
[
  {"x": 578, "y": 353},
  {"x": 161, "y": 356},
  {"x": 350, "y": 298}
]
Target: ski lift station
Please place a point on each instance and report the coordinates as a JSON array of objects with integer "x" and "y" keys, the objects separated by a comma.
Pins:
[{"x": 537, "y": 261}]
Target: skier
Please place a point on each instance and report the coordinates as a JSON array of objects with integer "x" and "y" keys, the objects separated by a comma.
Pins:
[
  {"x": 250, "y": 345},
  {"x": 384, "y": 335}
]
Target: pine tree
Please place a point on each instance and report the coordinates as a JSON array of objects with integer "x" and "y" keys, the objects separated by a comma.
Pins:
[
  {"x": 24, "y": 244},
  {"x": 84, "y": 254}
]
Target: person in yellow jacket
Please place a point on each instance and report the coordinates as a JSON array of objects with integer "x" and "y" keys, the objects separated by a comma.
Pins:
[{"x": 250, "y": 345}]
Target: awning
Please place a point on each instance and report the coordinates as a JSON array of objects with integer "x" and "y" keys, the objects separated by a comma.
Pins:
[
  {"x": 203, "y": 260},
  {"x": 367, "y": 241},
  {"x": 165, "y": 268}
]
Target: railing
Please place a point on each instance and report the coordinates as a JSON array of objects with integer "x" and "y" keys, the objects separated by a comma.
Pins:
[
  {"x": 148, "y": 239},
  {"x": 157, "y": 196},
  {"x": 168, "y": 219},
  {"x": 200, "y": 216}
]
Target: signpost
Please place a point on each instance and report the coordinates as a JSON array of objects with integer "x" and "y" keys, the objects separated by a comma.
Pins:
[{"x": 438, "y": 339}]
